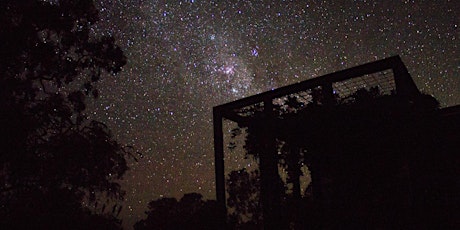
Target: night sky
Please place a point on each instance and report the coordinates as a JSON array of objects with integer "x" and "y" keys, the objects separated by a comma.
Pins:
[{"x": 184, "y": 57}]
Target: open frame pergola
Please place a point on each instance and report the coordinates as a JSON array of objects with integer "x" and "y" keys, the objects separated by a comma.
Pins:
[{"x": 393, "y": 78}]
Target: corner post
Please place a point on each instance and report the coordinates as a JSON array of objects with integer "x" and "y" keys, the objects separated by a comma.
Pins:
[{"x": 219, "y": 164}]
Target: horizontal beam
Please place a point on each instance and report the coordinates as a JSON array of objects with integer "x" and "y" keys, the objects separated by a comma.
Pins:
[{"x": 395, "y": 63}]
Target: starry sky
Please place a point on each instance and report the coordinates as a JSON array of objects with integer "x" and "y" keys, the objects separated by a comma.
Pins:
[{"x": 184, "y": 57}]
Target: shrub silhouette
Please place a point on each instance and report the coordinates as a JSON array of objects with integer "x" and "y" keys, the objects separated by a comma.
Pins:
[{"x": 53, "y": 158}]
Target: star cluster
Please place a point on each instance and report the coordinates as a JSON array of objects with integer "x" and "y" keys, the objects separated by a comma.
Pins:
[{"x": 184, "y": 57}]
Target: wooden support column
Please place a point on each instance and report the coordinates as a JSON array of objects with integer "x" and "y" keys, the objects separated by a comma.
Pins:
[
  {"x": 269, "y": 189},
  {"x": 219, "y": 165},
  {"x": 328, "y": 94},
  {"x": 405, "y": 85}
]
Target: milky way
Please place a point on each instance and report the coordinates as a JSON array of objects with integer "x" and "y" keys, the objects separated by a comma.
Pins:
[{"x": 184, "y": 57}]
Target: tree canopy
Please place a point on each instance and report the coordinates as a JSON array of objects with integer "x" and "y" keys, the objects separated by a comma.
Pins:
[
  {"x": 358, "y": 150},
  {"x": 52, "y": 157},
  {"x": 190, "y": 212}
]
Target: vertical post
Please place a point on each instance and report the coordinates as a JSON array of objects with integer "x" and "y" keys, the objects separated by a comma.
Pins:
[
  {"x": 328, "y": 94},
  {"x": 269, "y": 171},
  {"x": 219, "y": 165},
  {"x": 294, "y": 152},
  {"x": 405, "y": 85}
]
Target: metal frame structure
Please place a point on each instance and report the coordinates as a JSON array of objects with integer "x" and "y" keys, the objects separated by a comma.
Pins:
[{"x": 404, "y": 87}]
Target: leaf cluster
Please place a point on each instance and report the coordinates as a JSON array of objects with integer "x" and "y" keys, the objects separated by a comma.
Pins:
[
  {"x": 190, "y": 212},
  {"x": 50, "y": 63}
]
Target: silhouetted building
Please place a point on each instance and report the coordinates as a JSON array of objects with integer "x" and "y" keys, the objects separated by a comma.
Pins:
[{"x": 380, "y": 153}]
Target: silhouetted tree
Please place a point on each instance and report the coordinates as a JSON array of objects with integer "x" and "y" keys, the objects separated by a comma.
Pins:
[
  {"x": 358, "y": 151},
  {"x": 245, "y": 210},
  {"x": 190, "y": 212},
  {"x": 243, "y": 202},
  {"x": 52, "y": 157}
]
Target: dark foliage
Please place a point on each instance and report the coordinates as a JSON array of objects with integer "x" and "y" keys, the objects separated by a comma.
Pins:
[
  {"x": 377, "y": 161},
  {"x": 243, "y": 200},
  {"x": 190, "y": 212},
  {"x": 52, "y": 158}
]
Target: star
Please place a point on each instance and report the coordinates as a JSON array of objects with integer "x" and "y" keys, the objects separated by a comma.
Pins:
[{"x": 184, "y": 57}]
